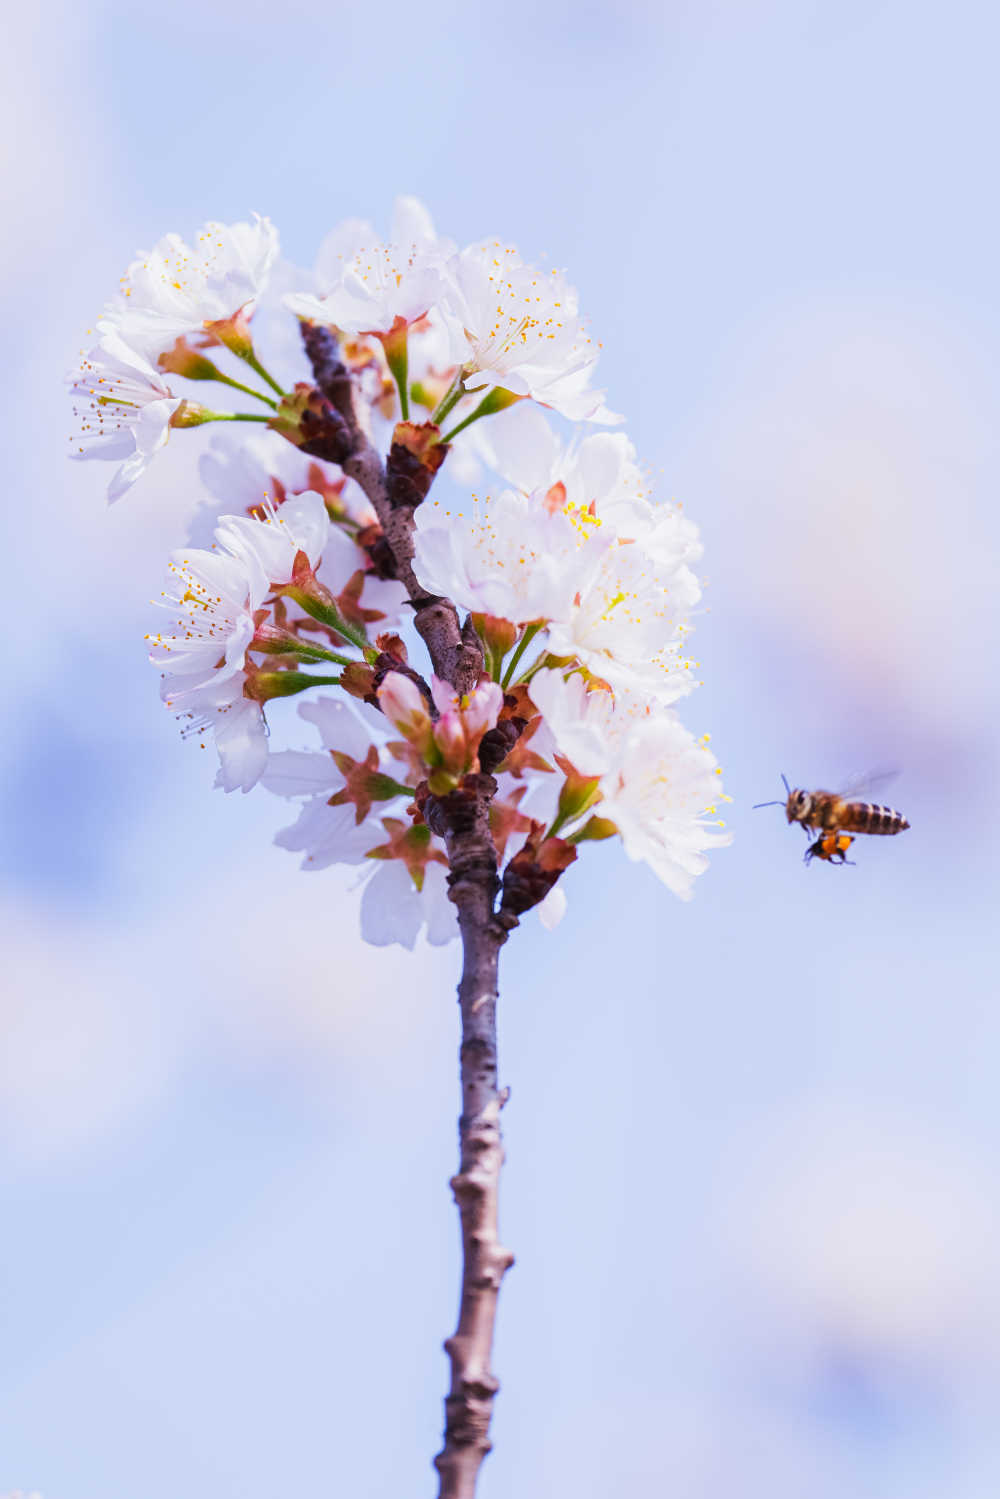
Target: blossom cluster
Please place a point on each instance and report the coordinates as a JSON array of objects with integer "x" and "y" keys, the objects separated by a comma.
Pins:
[{"x": 576, "y": 589}]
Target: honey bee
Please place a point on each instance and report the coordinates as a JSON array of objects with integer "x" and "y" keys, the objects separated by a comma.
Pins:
[
  {"x": 830, "y": 813},
  {"x": 831, "y": 848}
]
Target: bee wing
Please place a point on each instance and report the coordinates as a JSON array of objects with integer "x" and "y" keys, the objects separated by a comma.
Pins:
[{"x": 858, "y": 788}]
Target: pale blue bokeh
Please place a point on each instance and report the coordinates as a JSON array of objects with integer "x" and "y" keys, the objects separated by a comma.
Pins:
[{"x": 752, "y": 1182}]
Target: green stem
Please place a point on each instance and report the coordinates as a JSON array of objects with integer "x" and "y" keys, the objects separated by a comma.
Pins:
[
  {"x": 357, "y": 637},
  {"x": 236, "y": 416},
  {"x": 450, "y": 399},
  {"x": 481, "y": 410},
  {"x": 328, "y": 615},
  {"x": 530, "y": 631},
  {"x": 250, "y": 358},
  {"x": 497, "y": 399},
  {"x": 272, "y": 684},
  {"x": 559, "y": 822},
  {"x": 247, "y": 390},
  {"x": 400, "y": 789},
  {"x": 537, "y": 665},
  {"x": 311, "y": 652},
  {"x": 398, "y": 359},
  {"x": 346, "y": 524},
  {"x": 305, "y": 650}
]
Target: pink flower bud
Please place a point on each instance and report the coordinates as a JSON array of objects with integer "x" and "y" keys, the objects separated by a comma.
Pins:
[
  {"x": 444, "y": 695},
  {"x": 401, "y": 700},
  {"x": 403, "y": 704},
  {"x": 449, "y": 736},
  {"x": 234, "y": 333},
  {"x": 497, "y": 635},
  {"x": 481, "y": 710}
]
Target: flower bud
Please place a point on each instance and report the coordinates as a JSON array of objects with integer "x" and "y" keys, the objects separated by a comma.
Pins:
[
  {"x": 394, "y": 347},
  {"x": 464, "y": 721},
  {"x": 192, "y": 414},
  {"x": 306, "y": 419},
  {"x": 480, "y": 710},
  {"x": 533, "y": 871},
  {"x": 441, "y": 782},
  {"x": 403, "y": 704},
  {"x": 595, "y": 829},
  {"x": 497, "y": 635},
  {"x": 262, "y": 686},
  {"x": 415, "y": 455},
  {"x": 449, "y": 736},
  {"x": 577, "y": 794},
  {"x": 233, "y": 333},
  {"x": 391, "y": 644},
  {"x": 183, "y": 360},
  {"x": 498, "y": 399},
  {"x": 359, "y": 681}
]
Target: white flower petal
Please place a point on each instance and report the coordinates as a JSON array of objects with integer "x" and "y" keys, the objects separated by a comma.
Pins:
[
  {"x": 175, "y": 288},
  {"x": 552, "y": 909},
  {"x": 390, "y": 907}
]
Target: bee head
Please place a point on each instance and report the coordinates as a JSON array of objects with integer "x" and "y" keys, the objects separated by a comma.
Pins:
[{"x": 798, "y": 806}]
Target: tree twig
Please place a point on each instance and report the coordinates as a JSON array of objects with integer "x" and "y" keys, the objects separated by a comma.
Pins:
[
  {"x": 456, "y": 654},
  {"x": 462, "y": 819}
]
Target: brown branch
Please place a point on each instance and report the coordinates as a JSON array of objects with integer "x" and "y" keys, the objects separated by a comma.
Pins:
[
  {"x": 385, "y": 663},
  {"x": 394, "y": 491},
  {"x": 462, "y": 818}
]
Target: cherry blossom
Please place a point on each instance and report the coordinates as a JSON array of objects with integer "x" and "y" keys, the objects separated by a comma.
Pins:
[
  {"x": 124, "y": 410},
  {"x": 504, "y": 663},
  {"x": 242, "y": 473},
  {"x": 394, "y": 910},
  {"x": 629, "y": 624},
  {"x": 216, "y": 595},
  {"x": 370, "y": 286},
  {"x": 579, "y": 587},
  {"x": 403, "y": 867},
  {"x": 585, "y": 721},
  {"x": 658, "y": 785},
  {"x": 445, "y": 732},
  {"x": 177, "y": 289},
  {"x": 660, "y": 795},
  {"x": 264, "y": 469},
  {"x": 599, "y": 469},
  {"x": 552, "y": 909},
  {"x": 518, "y": 327},
  {"x": 522, "y": 558},
  {"x": 236, "y": 723}
]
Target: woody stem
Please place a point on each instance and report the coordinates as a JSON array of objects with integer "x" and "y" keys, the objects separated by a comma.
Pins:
[
  {"x": 462, "y": 819},
  {"x": 473, "y": 887}
]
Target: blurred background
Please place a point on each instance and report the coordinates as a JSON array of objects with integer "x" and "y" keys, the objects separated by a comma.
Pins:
[{"x": 753, "y": 1181}]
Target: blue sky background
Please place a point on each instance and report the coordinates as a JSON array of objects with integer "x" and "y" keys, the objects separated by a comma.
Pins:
[{"x": 752, "y": 1178}]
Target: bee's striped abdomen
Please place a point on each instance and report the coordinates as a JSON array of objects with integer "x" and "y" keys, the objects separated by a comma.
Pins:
[{"x": 869, "y": 817}]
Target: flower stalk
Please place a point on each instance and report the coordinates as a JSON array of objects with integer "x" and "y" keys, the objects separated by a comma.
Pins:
[
  {"x": 462, "y": 818},
  {"x": 326, "y": 613},
  {"x": 496, "y": 400},
  {"x": 394, "y": 344},
  {"x": 530, "y": 631},
  {"x": 450, "y": 399},
  {"x": 485, "y": 1260}
]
